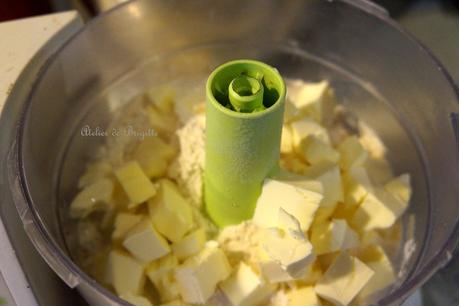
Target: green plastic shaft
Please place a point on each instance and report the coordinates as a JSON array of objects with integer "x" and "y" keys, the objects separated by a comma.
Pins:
[{"x": 244, "y": 113}]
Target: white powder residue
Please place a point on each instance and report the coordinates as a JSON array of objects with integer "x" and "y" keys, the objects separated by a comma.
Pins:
[
  {"x": 188, "y": 167},
  {"x": 242, "y": 242},
  {"x": 409, "y": 248}
]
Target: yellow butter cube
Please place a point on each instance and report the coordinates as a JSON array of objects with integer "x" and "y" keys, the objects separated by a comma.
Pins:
[
  {"x": 326, "y": 260},
  {"x": 293, "y": 163},
  {"x": 273, "y": 271},
  {"x": 376, "y": 259},
  {"x": 294, "y": 253},
  {"x": 357, "y": 185},
  {"x": 199, "y": 276},
  {"x": 190, "y": 245},
  {"x": 145, "y": 243},
  {"x": 161, "y": 267},
  {"x": 303, "y": 296},
  {"x": 316, "y": 151},
  {"x": 286, "y": 139},
  {"x": 136, "y": 300},
  {"x": 352, "y": 153},
  {"x": 124, "y": 273},
  {"x": 176, "y": 303},
  {"x": 308, "y": 97},
  {"x": 378, "y": 210},
  {"x": 162, "y": 123},
  {"x": 171, "y": 212},
  {"x": 313, "y": 274},
  {"x": 291, "y": 113},
  {"x": 135, "y": 183},
  {"x": 306, "y": 127},
  {"x": 400, "y": 187},
  {"x": 333, "y": 236},
  {"x": 162, "y": 97},
  {"x": 167, "y": 287},
  {"x": 294, "y": 199},
  {"x": 161, "y": 274},
  {"x": 123, "y": 223},
  {"x": 245, "y": 287},
  {"x": 153, "y": 155},
  {"x": 285, "y": 253},
  {"x": 330, "y": 176},
  {"x": 343, "y": 280},
  {"x": 95, "y": 196}
]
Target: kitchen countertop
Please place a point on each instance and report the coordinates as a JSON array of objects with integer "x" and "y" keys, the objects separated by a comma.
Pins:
[{"x": 22, "y": 40}]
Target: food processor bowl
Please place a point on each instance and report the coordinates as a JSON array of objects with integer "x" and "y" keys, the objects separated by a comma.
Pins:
[{"x": 378, "y": 72}]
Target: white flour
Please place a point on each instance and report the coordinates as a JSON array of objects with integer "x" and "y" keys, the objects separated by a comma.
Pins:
[{"x": 188, "y": 167}]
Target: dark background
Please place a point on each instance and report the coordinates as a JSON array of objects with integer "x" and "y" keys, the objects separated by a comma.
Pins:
[{"x": 14, "y": 9}]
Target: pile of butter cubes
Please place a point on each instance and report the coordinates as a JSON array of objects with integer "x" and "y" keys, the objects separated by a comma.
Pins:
[{"x": 316, "y": 238}]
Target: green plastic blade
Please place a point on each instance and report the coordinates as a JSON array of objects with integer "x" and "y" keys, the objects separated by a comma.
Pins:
[{"x": 244, "y": 113}]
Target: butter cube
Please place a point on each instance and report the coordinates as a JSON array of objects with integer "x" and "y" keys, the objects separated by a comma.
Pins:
[
  {"x": 135, "y": 183},
  {"x": 136, "y": 300},
  {"x": 294, "y": 255},
  {"x": 123, "y": 223},
  {"x": 307, "y": 127},
  {"x": 352, "y": 153},
  {"x": 377, "y": 260},
  {"x": 190, "y": 245},
  {"x": 167, "y": 287},
  {"x": 162, "y": 123},
  {"x": 153, "y": 155},
  {"x": 357, "y": 185},
  {"x": 162, "y": 97},
  {"x": 176, "y": 303},
  {"x": 286, "y": 139},
  {"x": 161, "y": 267},
  {"x": 296, "y": 200},
  {"x": 145, "y": 243},
  {"x": 199, "y": 276},
  {"x": 293, "y": 163},
  {"x": 400, "y": 187},
  {"x": 343, "y": 280},
  {"x": 245, "y": 287},
  {"x": 170, "y": 211},
  {"x": 378, "y": 210},
  {"x": 273, "y": 271},
  {"x": 312, "y": 276},
  {"x": 303, "y": 296},
  {"x": 124, "y": 273},
  {"x": 290, "y": 225},
  {"x": 161, "y": 274},
  {"x": 330, "y": 176},
  {"x": 316, "y": 151},
  {"x": 308, "y": 97},
  {"x": 333, "y": 236},
  {"x": 94, "y": 196}
]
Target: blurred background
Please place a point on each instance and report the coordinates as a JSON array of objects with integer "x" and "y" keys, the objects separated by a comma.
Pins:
[{"x": 434, "y": 22}]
